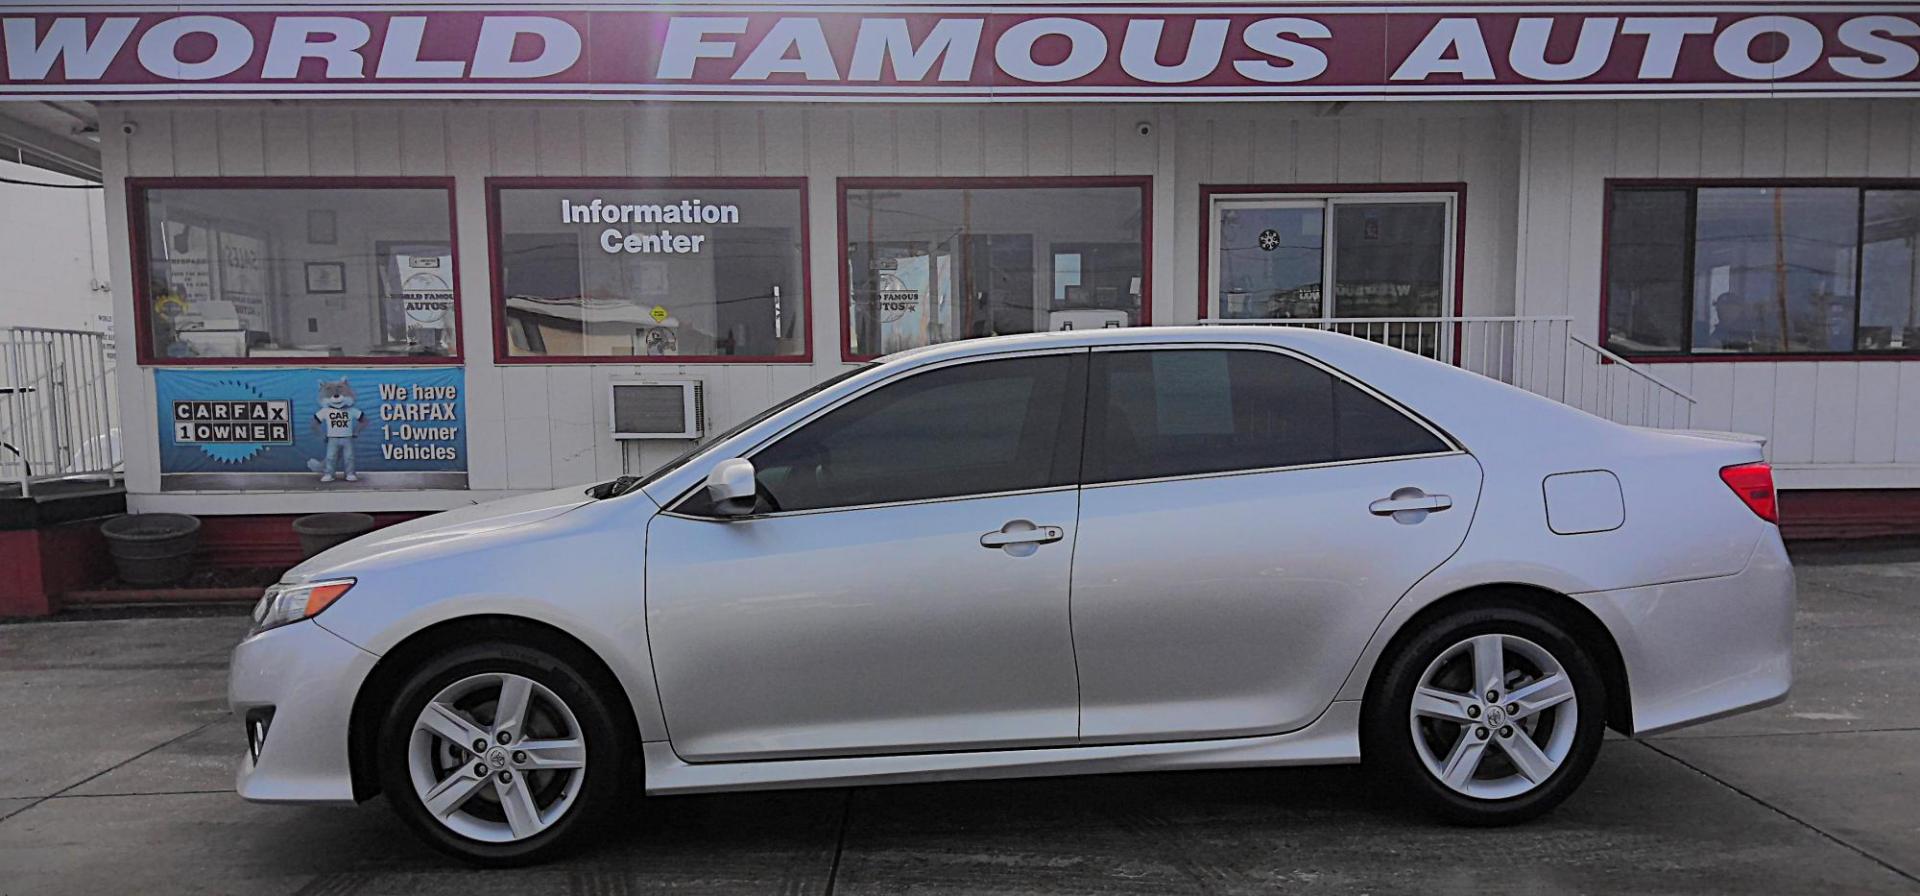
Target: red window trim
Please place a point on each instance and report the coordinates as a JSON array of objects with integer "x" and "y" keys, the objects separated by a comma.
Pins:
[
  {"x": 1457, "y": 188},
  {"x": 1144, "y": 183},
  {"x": 137, "y": 188},
  {"x": 501, "y": 353},
  {"x": 1688, "y": 356}
]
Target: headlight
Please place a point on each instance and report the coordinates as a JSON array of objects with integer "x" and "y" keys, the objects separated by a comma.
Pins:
[{"x": 286, "y": 604}]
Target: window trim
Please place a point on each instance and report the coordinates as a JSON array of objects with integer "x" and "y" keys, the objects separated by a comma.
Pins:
[
  {"x": 137, "y": 189},
  {"x": 1142, "y": 182},
  {"x": 1692, "y": 184},
  {"x": 1211, "y": 193},
  {"x": 1453, "y": 445},
  {"x": 673, "y": 506},
  {"x": 502, "y": 348}
]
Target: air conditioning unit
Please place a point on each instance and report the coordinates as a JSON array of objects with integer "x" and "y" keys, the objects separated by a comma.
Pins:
[{"x": 657, "y": 409}]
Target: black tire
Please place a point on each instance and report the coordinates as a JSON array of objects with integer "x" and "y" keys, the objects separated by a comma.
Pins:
[
  {"x": 1388, "y": 731},
  {"x": 608, "y": 748}
]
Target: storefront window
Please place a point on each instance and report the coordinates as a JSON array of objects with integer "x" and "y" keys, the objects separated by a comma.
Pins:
[
  {"x": 930, "y": 264},
  {"x": 684, "y": 269},
  {"x": 1763, "y": 270},
  {"x": 294, "y": 273}
]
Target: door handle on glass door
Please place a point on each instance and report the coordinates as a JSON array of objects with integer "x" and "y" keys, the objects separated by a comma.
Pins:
[{"x": 1021, "y": 532}]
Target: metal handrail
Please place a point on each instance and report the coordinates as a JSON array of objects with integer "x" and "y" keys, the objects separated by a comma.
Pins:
[
  {"x": 56, "y": 406},
  {"x": 1631, "y": 367}
]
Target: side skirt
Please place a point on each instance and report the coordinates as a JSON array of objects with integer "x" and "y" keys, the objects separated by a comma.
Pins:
[{"x": 1332, "y": 739}]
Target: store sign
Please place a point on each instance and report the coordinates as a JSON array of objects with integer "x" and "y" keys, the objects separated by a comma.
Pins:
[
  {"x": 1033, "y": 51},
  {"x": 311, "y": 428}
]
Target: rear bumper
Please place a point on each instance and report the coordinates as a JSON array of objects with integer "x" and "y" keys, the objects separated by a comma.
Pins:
[
  {"x": 1706, "y": 648},
  {"x": 308, "y": 677}
]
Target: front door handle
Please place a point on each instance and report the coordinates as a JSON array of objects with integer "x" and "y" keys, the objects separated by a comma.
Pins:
[
  {"x": 1409, "y": 505},
  {"x": 1022, "y": 536}
]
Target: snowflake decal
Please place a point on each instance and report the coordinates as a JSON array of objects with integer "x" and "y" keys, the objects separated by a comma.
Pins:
[{"x": 1269, "y": 240}]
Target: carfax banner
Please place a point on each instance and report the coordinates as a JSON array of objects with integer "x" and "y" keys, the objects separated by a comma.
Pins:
[
  {"x": 934, "y": 51},
  {"x": 312, "y": 428}
]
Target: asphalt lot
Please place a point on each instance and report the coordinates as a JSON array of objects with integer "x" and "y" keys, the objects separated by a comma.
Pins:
[{"x": 116, "y": 756}]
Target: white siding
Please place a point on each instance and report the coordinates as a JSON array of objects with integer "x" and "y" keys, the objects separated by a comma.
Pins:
[
  {"x": 1831, "y": 424},
  {"x": 543, "y": 426}
]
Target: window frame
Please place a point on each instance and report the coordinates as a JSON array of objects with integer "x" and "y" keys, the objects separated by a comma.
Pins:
[
  {"x": 1212, "y": 195},
  {"x": 1452, "y": 445},
  {"x": 502, "y": 353},
  {"x": 137, "y": 189},
  {"x": 1692, "y": 185},
  {"x": 674, "y": 507},
  {"x": 844, "y": 185}
]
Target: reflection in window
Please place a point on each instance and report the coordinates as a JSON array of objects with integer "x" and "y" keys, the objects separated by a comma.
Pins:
[
  {"x": 298, "y": 273},
  {"x": 969, "y": 429},
  {"x": 931, "y": 265},
  {"x": 1647, "y": 270},
  {"x": 659, "y": 271},
  {"x": 1387, "y": 258},
  {"x": 1773, "y": 269},
  {"x": 1182, "y": 412},
  {"x": 1890, "y": 271},
  {"x": 1763, "y": 270}
]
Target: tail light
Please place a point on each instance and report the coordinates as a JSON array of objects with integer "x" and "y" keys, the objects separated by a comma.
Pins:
[{"x": 1754, "y": 484}]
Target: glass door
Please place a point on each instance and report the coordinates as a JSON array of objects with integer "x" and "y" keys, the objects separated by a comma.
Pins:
[{"x": 1371, "y": 260}]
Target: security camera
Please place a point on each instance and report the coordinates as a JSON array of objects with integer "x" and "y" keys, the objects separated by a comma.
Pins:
[
  {"x": 129, "y": 128},
  {"x": 1143, "y": 128}
]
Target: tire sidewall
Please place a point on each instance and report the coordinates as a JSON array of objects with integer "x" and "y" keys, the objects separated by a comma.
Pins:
[
  {"x": 1388, "y": 738},
  {"x": 604, "y": 745}
]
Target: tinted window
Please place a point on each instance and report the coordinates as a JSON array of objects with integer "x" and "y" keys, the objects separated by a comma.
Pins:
[
  {"x": 1181, "y": 412},
  {"x": 990, "y": 426}
]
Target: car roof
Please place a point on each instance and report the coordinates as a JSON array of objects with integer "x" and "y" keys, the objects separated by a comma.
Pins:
[{"x": 1303, "y": 337}]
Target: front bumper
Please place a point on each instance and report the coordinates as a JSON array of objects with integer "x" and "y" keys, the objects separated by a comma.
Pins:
[
  {"x": 308, "y": 676},
  {"x": 1706, "y": 648}
]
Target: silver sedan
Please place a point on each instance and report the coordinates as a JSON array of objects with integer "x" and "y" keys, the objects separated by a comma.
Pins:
[{"x": 1065, "y": 553}]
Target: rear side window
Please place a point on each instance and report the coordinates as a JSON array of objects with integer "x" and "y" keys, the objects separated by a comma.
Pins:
[
  {"x": 1180, "y": 412},
  {"x": 978, "y": 428}
]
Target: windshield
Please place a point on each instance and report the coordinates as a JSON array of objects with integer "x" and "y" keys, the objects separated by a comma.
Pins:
[{"x": 627, "y": 484}]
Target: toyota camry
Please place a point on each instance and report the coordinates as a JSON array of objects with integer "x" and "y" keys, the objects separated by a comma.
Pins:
[{"x": 1064, "y": 553}]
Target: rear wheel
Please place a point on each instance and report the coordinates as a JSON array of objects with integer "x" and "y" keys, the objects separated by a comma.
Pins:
[
  {"x": 500, "y": 753},
  {"x": 1488, "y": 716}
]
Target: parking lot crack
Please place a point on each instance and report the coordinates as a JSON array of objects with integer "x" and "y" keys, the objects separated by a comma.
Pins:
[
  {"x": 1895, "y": 869},
  {"x": 63, "y": 791}
]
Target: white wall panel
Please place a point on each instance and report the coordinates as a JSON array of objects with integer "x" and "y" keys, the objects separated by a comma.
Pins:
[{"x": 1832, "y": 422}]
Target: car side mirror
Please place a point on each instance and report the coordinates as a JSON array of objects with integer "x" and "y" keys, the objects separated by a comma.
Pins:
[{"x": 732, "y": 487}]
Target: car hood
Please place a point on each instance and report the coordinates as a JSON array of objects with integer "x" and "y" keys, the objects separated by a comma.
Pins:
[{"x": 491, "y": 516}]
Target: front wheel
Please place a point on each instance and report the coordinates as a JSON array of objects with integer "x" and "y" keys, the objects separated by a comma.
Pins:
[
  {"x": 1488, "y": 716},
  {"x": 500, "y": 753}
]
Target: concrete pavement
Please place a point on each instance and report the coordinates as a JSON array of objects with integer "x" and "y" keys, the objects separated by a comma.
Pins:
[{"x": 116, "y": 757}]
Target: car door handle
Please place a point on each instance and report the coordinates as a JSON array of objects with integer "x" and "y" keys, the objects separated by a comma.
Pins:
[
  {"x": 1410, "y": 499},
  {"x": 1022, "y": 532}
]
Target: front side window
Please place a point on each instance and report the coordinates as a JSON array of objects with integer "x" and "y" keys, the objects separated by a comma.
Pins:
[
  {"x": 1763, "y": 270},
  {"x": 969, "y": 429},
  {"x": 651, "y": 270},
  {"x": 1181, "y": 412},
  {"x": 931, "y": 264},
  {"x": 296, "y": 273}
]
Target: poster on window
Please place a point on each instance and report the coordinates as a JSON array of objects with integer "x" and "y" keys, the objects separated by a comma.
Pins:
[
  {"x": 307, "y": 429},
  {"x": 243, "y": 279},
  {"x": 426, "y": 290},
  {"x": 903, "y": 298}
]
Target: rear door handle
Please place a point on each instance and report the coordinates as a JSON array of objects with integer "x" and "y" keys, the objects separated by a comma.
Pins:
[
  {"x": 1409, "y": 505},
  {"x": 1022, "y": 532}
]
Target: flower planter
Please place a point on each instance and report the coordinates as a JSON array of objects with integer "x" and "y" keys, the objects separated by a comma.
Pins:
[
  {"x": 152, "y": 548},
  {"x": 320, "y": 531}
]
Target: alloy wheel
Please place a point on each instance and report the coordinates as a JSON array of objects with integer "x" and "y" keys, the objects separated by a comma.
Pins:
[
  {"x": 497, "y": 757},
  {"x": 1494, "y": 716}
]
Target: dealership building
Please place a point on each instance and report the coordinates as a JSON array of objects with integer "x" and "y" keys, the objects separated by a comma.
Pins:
[{"x": 402, "y": 257}]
